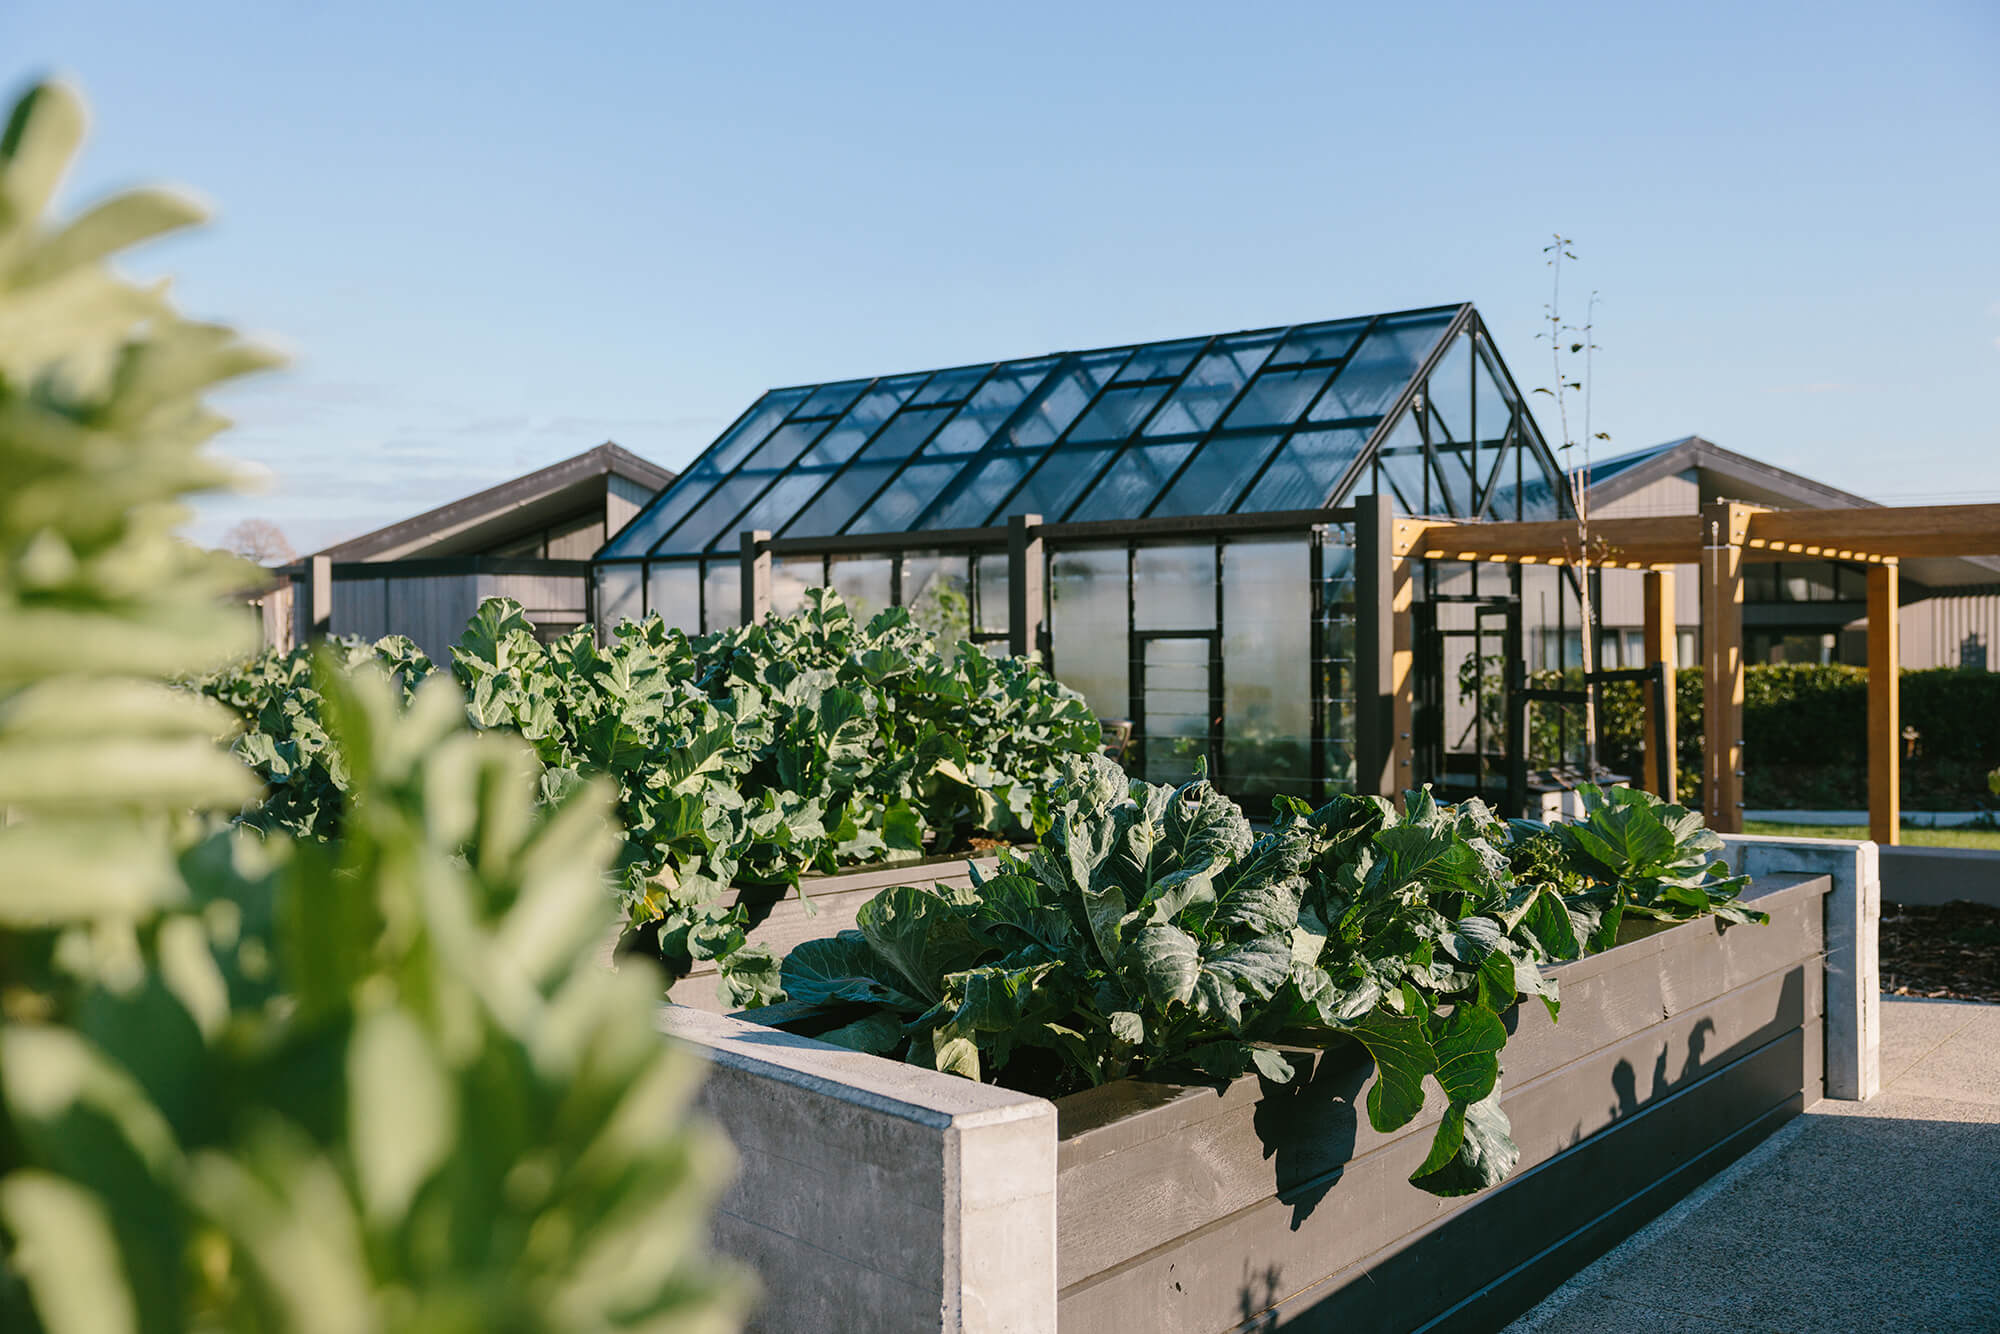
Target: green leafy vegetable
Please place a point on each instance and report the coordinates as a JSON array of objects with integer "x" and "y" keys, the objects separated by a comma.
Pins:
[
  {"x": 1154, "y": 933},
  {"x": 747, "y": 757}
]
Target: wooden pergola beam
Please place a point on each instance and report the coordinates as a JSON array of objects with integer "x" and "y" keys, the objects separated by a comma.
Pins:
[
  {"x": 1905, "y": 531},
  {"x": 1868, "y": 536}
]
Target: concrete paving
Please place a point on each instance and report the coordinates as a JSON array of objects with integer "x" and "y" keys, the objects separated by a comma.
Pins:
[{"x": 1862, "y": 1217}]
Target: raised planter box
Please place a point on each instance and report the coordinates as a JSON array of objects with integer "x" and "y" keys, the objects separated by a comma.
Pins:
[
  {"x": 875, "y": 1195},
  {"x": 783, "y": 918}
]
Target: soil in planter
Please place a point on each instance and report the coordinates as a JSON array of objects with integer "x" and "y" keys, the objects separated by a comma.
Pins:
[{"x": 1948, "y": 952}]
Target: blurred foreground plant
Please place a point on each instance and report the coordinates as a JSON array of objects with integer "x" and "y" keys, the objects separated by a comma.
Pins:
[{"x": 372, "y": 1084}]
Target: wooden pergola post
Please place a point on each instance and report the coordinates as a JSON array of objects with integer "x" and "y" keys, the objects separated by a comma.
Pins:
[
  {"x": 1723, "y": 527},
  {"x": 1402, "y": 681},
  {"x": 1885, "y": 709},
  {"x": 1662, "y": 728}
]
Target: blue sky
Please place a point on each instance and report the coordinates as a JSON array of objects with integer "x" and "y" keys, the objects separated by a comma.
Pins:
[{"x": 493, "y": 235}]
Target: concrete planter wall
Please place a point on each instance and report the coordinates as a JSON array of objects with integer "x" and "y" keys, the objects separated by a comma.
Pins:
[
  {"x": 1940, "y": 875},
  {"x": 875, "y": 1195},
  {"x": 784, "y": 918}
]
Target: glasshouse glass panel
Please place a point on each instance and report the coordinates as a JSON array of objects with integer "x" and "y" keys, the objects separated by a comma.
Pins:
[
  {"x": 673, "y": 593},
  {"x": 1160, "y": 360},
  {"x": 1220, "y": 471},
  {"x": 747, "y": 434},
  {"x": 893, "y": 510},
  {"x": 1062, "y": 399},
  {"x": 1400, "y": 464},
  {"x": 1277, "y": 398},
  {"x": 1404, "y": 474},
  {"x": 770, "y": 510},
  {"x": 791, "y": 576},
  {"x": 1505, "y": 502},
  {"x": 1541, "y": 490},
  {"x": 717, "y": 515},
  {"x": 1212, "y": 386},
  {"x": 950, "y": 386},
  {"x": 1380, "y": 367},
  {"x": 1319, "y": 342},
  {"x": 783, "y": 447},
  {"x": 863, "y": 582},
  {"x": 1494, "y": 406},
  {"x": 618, "y": 596},
  {"x": 986, "y": 411},
  {"x": 1267, "y": 668},
  {"x": 975, "y": 493},
  {"x": 1133, "y": 481},
  {"x": 1177, "y": 729},
  {"x": 937, "y": 589},
  {"x": 1173, "y": 588},
  {"x": 830, "y": 400},
  {"x": 722, "y": 595},
  {"x": 1305, "y": 470},
  {"x": 1118, "y": 413},
  {"x": 1453, "y": 483},
  {"x": 1052, "y": 488},
  {"x": 1088, "y": 619},
  {"x": 845, "y": 494},
  {"x": 990, "y": 608},
  {"x": 667, "y": 509},
  {"x": 862, "y": 420},
  {"x": 1335, "y": 684},
  {"x": 901, "y": 437},
  {"x": 1449, "y": 390}
]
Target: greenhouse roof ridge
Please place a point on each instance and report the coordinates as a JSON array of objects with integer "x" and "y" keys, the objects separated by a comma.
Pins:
[
  {"x": 1285, "y": 418},
  {"x": 1445, "y": 308}
]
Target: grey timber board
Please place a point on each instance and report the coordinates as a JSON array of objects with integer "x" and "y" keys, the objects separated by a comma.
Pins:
[
  {"x": 1193, "y": 1177},
  {"x": 1142, "y": 1163},
  {"x": 1280, "y": 1265},
  {"x": 1297, "y": 1141}
]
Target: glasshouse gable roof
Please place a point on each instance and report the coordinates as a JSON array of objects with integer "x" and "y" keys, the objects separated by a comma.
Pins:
[{"x": 1414, "y": 403}]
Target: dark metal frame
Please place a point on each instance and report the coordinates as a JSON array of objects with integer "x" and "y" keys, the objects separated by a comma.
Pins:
[
  {"x": 1431, "y": 746},
  {"x": 1520, "y": 695}
]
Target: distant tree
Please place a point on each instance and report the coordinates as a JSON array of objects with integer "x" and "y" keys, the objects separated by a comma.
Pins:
[{"x": 259, "y": 540}]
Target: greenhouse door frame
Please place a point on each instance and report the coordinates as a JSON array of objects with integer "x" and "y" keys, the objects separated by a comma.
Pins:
[
  {"x": 1432, "y": 748},
  {"x": 1140, "y": 641}
]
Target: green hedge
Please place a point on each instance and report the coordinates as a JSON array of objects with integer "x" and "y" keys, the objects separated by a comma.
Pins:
[{"x": 1806, "y": 741}]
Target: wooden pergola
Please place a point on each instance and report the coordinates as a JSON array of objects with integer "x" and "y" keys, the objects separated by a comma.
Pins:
[{"x": 1719, "y": 540}]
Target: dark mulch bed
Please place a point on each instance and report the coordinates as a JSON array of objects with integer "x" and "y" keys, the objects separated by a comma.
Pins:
[{"x": 1943, "y": 953}]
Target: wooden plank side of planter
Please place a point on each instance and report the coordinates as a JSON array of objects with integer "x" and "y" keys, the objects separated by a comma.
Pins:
[
  {"x": 1268, "y": 1265},
  {"x": 1525, "y": 1234},
  {"x": 835, "y": 899},
  {"x": 1143, "y": 1164}
]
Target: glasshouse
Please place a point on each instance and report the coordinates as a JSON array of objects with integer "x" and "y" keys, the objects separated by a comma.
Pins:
[{"x": 1184, "y": 544}]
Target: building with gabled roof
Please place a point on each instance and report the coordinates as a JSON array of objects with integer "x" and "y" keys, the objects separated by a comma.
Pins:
[{"x": 529, "y": 539}]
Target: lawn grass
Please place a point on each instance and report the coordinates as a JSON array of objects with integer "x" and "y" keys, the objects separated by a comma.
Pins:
[{"x": 1961, "y": 836}]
